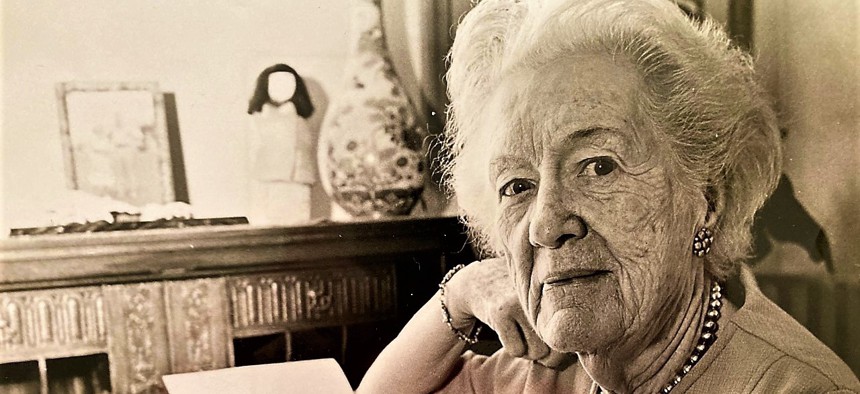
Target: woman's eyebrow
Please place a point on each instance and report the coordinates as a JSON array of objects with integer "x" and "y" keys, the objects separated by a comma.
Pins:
[
  {"x": 614, "y": 139},
  {"x": 504, "y": 163},
  {"x": 593, "y": 132}
]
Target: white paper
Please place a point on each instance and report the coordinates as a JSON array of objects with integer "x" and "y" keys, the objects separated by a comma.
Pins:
[{"x": 305, "y": 377}]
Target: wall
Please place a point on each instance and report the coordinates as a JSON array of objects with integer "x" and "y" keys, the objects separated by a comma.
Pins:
[
  {"x": 809, "y": 56},
  {"x": 208, "y": 56}
]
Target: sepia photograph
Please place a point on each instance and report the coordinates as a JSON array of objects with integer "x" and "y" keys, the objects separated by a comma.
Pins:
[
  {"x": 115, "y": 140},
  {"x": 446, "y": 196}
]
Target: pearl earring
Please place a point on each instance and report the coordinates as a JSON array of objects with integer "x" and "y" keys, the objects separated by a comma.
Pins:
[{"x": 702, "y": 242}]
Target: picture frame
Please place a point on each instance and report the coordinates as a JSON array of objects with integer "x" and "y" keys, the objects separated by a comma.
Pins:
[{"x": 115, "y": 140}]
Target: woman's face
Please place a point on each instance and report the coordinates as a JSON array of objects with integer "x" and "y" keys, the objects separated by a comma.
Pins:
[{"x": 594, "y": 224}]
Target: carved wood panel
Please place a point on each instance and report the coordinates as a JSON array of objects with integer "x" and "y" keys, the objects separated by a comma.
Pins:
[
  {"x": 199, "y": 331},
  {"x": 139, "y": 345},
  {"x": 331, "y": 296},
  {"x": 67, "y": 319}
]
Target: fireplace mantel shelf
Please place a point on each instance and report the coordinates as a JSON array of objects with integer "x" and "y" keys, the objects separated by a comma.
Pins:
[{"x": 46, "y": 261}]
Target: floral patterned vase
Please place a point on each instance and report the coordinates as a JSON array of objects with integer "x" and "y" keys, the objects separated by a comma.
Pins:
[{"x": 371, "y": 155}]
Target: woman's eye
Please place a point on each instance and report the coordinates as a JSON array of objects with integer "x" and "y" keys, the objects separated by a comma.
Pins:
[
  {"x": 599, "y": 166},
  {"x": 515, "y": 187}
]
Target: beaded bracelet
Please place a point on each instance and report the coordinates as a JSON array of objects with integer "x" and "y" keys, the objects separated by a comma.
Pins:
[{"x": 446, "y": 315}]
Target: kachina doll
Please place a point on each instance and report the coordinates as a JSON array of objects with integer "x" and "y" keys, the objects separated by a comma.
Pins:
[{"x": 281, "y": 149}]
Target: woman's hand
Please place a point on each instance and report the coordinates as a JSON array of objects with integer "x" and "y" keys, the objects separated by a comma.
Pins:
[
  {"x": 484, "y": 291},
  {"x": 480, "y": 291}
]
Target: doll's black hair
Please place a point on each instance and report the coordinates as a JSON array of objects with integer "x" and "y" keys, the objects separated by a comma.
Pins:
[{"x": 300, "y": 97}]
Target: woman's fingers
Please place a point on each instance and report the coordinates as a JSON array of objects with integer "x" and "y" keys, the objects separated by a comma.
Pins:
[
  {"x": 536, "y": 349},
  {"x": 509, "y": 334},
  {"x": 516, "y": 334},
  {"x": 557, "y": 360}
]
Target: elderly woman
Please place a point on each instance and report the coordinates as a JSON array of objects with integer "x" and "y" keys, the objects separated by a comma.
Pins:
[{"x": 613, "y": 155}]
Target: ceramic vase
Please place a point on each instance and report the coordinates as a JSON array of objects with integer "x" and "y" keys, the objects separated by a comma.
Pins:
[{"x": 371, "y": 155}]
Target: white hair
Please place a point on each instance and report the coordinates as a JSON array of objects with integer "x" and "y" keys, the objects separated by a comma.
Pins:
[{"x": 701, "y": 93}]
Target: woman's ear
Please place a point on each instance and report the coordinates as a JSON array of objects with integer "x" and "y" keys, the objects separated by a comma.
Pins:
[{"x": 715, "y": 206}]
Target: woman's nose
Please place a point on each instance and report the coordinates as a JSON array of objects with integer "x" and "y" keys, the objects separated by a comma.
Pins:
[{"x": 553, "y": 224}]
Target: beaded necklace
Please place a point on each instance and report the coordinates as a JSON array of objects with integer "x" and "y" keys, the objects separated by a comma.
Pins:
[{"x": 707, "y": 337}]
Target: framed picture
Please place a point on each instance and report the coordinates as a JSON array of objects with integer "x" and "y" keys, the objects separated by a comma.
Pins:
[{"x": 115, "y": 141}]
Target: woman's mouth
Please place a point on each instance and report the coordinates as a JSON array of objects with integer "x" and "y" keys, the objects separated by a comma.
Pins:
[{"x": 574, "y": 276}]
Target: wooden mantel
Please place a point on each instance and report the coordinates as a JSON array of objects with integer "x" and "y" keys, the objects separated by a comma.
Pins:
[
  {"x": 35, "y": 262},
  {"x": 125, "y": 308}
]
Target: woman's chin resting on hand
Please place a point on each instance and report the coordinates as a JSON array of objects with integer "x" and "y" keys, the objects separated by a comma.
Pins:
[{"x": 612, "y": 154}]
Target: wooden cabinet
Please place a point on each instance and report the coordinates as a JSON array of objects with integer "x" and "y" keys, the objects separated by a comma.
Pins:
[{"x": 116, "y": 311}]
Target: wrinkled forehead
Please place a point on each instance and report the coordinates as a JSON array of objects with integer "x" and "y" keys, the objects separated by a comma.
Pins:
[{"x": 537, "y": 108}]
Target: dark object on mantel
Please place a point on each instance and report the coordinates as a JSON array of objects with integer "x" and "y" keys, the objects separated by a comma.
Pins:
[{"x": 103, "y": 225}]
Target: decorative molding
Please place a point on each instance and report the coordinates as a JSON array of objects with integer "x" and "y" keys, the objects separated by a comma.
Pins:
[
  {"x": 198, "y": 324},
  {"x": 312, "y": 297},
  {"x": 138, "y": 337},
  {"x": 52, "y": 318},
  {"x": 139, "y": 325},
  {"x": 198, "y": 348}
]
